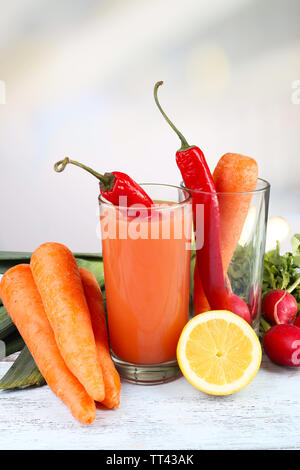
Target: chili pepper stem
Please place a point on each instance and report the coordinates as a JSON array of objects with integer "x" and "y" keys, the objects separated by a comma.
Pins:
[
  {"x": 106, "y": 180},
  {"x": 184, "y": 144}
]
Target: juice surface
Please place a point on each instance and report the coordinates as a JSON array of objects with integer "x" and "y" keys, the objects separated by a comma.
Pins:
[{"x": 147, "y": 283}]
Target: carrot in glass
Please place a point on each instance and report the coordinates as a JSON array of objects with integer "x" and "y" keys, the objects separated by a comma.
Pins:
[
  {"x": 234, "y": 173},
  {"x": 96, "y": 307},
  {"x": 56, "y": 275},
  {"x": 24, "y": 304}
]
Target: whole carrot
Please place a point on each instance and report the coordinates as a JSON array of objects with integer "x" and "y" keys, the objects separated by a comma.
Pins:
[
  {"x": 24, "y": 304},
  {"x": 56, "y": 275},
  {"x": 234, "y": 173},
  {"x": 96, "y": 306}
]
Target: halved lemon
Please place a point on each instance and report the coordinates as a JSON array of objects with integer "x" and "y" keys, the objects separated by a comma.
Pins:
[{"x": 218, "y": 352}]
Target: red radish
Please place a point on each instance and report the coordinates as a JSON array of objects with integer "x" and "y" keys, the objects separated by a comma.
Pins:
[
  {"x": 282, "y": 345},
  {"x": 297, "y": 322},
  {"x": 279, "y": 306},
  {"x": 240, "y": 308}
]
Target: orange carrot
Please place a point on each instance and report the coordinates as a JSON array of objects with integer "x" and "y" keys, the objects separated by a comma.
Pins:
[
  {"x": 24, "y": 304},
  {"x": 57, "y": 278},
  {"x": 96, "y": 306},
  {"x": 234, "y": 173}
]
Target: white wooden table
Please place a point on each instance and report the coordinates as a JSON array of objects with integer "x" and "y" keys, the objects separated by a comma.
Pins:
[{"x": 265, "y": 415}]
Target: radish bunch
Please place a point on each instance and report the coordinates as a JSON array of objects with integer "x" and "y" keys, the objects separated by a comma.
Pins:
[{"x": 282, "y": 341}]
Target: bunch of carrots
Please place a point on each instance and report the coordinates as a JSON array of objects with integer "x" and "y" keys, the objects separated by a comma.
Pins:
[{"x": 59, "y": 311}]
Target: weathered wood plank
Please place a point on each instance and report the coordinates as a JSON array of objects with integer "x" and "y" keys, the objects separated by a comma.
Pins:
[{"x": 264, "y": 415}]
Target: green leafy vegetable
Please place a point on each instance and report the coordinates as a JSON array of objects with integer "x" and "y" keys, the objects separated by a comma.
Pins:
[
  {"x": 23, "y": 373},
  {"x": 240, "y": 270},
  {"x": 11, "y": 258},
  {"x": 13, "y": 343},
  {"x": 295, "y": 242},
  {"x": 95, "y": 266},
  {"x": 6, "y": 324},
  {"x": 281, "y": 271}
]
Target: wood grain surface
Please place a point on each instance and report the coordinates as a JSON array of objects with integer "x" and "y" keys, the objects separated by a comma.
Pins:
[{"x": 265, "y": 415}]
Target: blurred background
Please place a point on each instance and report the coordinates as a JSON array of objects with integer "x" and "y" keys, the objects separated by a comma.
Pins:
[{"x": 78, "y": 77}]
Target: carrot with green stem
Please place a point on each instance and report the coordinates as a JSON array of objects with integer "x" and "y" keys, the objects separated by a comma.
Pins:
[
  {"x": 24, "y": 304},
  {"x": 96, "y": 307},
  {"x": 57, "y": 278}
]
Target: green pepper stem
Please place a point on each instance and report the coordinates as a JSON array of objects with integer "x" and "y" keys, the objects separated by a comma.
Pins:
[
  {"x": 184, "y": 144},
  {"x": 106, "y": 181}
]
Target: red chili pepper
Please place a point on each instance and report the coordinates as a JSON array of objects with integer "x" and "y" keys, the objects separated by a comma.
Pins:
[
  {"x": 113, "y": 185},
  {"x": 197, "y": 176}
]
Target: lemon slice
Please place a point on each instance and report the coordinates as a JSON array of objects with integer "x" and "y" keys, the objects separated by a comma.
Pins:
[{"x": 218, "y": 352}]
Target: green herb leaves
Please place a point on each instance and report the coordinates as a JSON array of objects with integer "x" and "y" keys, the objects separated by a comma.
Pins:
[{"x": 281, "y": 271}]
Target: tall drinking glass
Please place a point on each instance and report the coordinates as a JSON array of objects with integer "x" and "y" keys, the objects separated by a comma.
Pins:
[
  {"x": 146, "y": 256},
  {"x": 243, "y": 220}
]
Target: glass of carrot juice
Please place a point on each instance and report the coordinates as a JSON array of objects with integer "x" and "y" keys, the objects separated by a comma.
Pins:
[{"x": 146, "y": 256}]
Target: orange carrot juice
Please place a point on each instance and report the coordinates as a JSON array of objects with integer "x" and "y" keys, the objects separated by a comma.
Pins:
[{"x": 146, "y": 267}]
